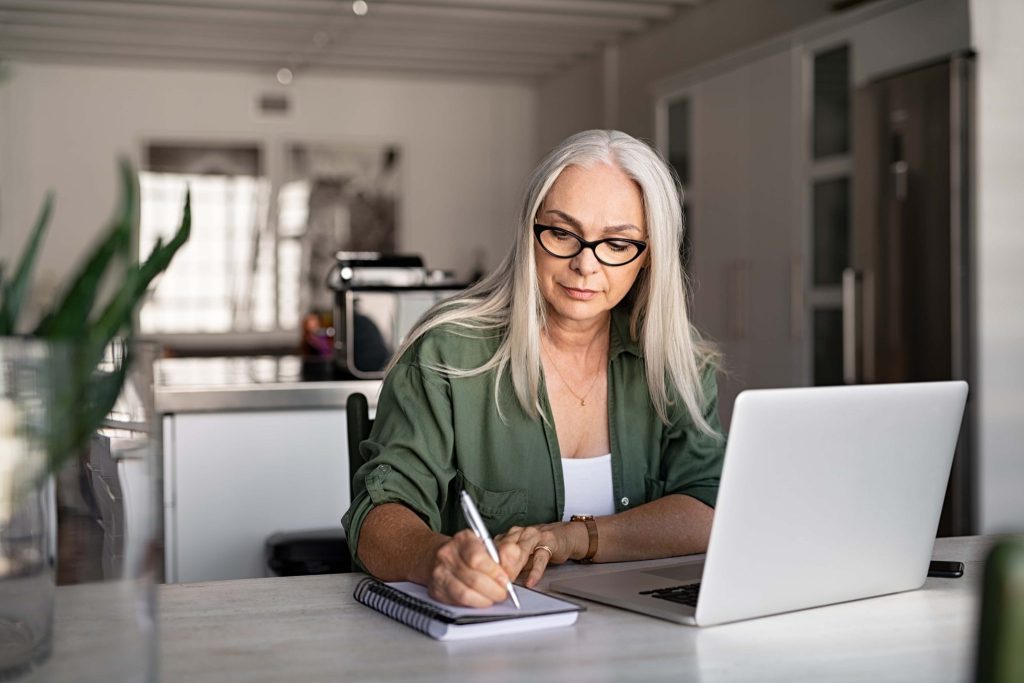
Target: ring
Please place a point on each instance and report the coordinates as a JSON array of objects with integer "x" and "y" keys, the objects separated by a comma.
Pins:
[{"x": 543, "y": 547}]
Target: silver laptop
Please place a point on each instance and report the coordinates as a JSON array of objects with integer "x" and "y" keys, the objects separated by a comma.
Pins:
[{"x": 827, "y": 495}]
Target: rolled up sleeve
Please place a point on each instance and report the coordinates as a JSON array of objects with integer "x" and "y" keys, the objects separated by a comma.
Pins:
[
  {"x": 692, "y": 460},
  {"x": 408, "y": 456}
]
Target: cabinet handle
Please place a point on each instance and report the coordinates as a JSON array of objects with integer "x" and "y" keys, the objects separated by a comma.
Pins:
[
  {"x": 739, "y": 272},
  {"x": 900, "y": 170},
  {"x": 851, "y": 326},
  {"x": 796, "y": 298}
]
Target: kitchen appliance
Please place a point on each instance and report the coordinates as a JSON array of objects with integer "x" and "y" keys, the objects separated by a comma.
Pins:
[
  {"x": 377, "y": 300},
  {"x": 907, "y": 297}
]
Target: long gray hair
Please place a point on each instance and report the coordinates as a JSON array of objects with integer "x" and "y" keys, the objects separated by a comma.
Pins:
[{"x": 508, "y": 302}]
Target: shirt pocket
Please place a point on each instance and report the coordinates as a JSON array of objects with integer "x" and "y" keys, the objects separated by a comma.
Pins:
[
  {"x": 653, "y": 488},
  {"x": 499, "y": 509}
]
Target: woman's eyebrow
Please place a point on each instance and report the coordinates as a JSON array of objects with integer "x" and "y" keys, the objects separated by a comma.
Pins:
[
  {"x": 579, "y": 226},
  {"x": 566, "y": 218}
]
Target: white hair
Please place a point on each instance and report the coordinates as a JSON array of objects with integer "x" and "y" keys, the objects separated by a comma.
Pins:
[{"x": 508, "y": 302}]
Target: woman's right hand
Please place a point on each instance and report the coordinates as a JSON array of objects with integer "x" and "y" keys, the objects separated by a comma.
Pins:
[{"x": 462, "y": 573}]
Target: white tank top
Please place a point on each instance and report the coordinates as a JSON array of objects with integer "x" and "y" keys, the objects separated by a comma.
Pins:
[{"x": 588, "y": 486}]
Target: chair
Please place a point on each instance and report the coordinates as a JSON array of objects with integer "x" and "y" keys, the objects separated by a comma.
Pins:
[
  {"x": 357, "y": 414},
  {"x": 322, "y": 551}
]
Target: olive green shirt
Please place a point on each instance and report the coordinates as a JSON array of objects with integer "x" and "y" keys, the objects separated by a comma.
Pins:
[{"x": 435, "y": 434}]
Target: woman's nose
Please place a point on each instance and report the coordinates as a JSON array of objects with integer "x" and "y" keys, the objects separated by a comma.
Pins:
[{"x": 585, "y": 262}]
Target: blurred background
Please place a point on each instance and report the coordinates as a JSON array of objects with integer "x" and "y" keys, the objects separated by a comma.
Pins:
[{"x": 852, "y": 174}]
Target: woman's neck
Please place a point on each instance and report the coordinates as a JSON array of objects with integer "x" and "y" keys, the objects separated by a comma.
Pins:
[{"x": 577, "y": 339}]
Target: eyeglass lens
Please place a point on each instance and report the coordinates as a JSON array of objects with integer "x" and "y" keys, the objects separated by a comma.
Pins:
[{"x": 566, "y": 244}]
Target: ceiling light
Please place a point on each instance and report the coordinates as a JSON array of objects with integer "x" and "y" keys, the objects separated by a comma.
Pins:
[
  {"x": 285, "y": 76},
  {"x": 360, "y": 8}
]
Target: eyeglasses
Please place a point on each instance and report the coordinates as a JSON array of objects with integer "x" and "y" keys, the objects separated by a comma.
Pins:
[{"x": 612, "y": 251}]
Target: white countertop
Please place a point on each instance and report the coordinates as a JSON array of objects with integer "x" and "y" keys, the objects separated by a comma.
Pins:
[
  {"x": 311, "y": 629},
  {"x": 194, "y": 385}
]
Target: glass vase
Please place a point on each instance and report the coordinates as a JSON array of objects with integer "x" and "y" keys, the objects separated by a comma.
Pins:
[
  {"x": 27, "y": 511},
  {"x": 101, "y": 509}
]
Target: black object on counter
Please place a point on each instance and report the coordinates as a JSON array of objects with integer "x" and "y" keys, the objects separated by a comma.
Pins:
[{"x": 301, "y": 553}]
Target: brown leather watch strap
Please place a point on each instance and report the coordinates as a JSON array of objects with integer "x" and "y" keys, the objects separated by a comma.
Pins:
[{"x": 591, "y": 534}]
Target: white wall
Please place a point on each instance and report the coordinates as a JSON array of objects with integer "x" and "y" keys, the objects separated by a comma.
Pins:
[
  {"x": 467, "y": 146},
  {"x": 997, "y": 28},
  {"x": 570, "y": 101}
]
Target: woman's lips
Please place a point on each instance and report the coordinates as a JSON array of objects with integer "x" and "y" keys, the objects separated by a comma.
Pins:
[{"x": 580, "y": 294}]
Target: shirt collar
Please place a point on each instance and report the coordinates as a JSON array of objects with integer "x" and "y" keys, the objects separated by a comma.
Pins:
[{"x": 621, "y": 341}]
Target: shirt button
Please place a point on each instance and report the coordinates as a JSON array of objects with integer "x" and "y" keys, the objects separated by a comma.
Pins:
[{"x": 624, "y": 501}]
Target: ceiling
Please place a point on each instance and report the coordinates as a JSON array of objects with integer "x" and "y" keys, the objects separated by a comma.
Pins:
[{"x": 489, "y": 38}]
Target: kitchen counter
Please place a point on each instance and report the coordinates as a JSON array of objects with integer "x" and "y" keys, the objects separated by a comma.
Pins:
[
  {"x": 239, "y": 432},
  {"x": 203, "y": 385}
]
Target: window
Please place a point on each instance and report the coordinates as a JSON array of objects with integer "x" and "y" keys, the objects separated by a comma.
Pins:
[
  {"x": 214, "y": 283},
  {"x": 262, "y": 239},
  {"x": 828, "y": 181},
  {"x": 832, "y": 103},
  {"x": 679, "y": 158}
]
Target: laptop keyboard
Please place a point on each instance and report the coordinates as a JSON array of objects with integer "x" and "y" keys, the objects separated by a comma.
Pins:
[{"x": 686, "y": 595}]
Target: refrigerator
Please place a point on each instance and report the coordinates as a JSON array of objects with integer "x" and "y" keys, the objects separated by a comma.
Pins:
[{"x": 908, "y": 293}]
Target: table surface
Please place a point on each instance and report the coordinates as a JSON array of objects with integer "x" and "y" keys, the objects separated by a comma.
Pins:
[{"x": 311, "y": 629}]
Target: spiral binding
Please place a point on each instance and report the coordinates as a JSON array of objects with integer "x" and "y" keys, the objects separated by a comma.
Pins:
[{"x": 395, "y": 604}]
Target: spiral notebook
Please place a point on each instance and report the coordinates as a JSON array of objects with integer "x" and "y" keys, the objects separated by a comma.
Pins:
[{"x": 409, "y": 603}]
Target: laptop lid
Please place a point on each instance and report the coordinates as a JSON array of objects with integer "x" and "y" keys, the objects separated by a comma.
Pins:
[{"x": 828, "y": 494}]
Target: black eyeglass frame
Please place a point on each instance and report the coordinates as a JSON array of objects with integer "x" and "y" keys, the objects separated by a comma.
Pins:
[{"x": 538, "y": 229}]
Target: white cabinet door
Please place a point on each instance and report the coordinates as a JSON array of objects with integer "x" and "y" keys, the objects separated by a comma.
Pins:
[
  {"x": 746, "y": 232},
  {"x": 235, "y": 478}
]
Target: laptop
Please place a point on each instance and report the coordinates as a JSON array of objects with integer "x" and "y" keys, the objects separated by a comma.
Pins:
[{"x": 827, "y": 495}]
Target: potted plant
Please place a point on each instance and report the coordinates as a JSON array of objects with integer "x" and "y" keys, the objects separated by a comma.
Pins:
[{"x": 58, "y": 382}]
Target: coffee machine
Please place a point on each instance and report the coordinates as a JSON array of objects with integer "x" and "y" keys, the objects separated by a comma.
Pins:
[{"x": 378, "y": 298}]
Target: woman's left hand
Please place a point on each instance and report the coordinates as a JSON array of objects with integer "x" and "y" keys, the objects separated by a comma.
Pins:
[{"x": 544, "y": 544}]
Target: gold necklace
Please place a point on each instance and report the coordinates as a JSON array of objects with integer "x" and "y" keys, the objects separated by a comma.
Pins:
[{"x": 582, "y": 399}]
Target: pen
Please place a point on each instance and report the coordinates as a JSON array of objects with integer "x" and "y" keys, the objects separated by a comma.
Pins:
[{"x": 476, "y": 523}]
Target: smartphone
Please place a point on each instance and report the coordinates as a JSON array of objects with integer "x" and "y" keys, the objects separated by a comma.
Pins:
[{"x": 946, "y": 570}]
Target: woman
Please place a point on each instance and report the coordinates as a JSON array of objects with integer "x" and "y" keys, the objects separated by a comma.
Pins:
[{"x": 568, "y": 383}]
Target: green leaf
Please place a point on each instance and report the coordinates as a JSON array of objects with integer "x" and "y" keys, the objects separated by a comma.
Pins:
[
  {"x": 68, "y": 319},
  {"x": 118, "y": 313},
  {"x": 85, "y": 395},
  {"x": 161, "y": 257},
  {"x": 14, "y": 291},
  {"x": 88, "y": 398}
]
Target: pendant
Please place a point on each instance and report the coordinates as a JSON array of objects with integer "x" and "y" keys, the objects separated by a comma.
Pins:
[{"x": 583, "y": 402}]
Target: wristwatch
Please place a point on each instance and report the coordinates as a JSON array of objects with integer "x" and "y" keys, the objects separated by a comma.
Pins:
[{"x": 591, "y": 535}]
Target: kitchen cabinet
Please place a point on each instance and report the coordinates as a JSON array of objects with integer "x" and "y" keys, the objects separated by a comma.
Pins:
[
  {"x": 250, "y": 449},
  {"x": 234, "y": 478},
  {"x": 745, "y": 232}
]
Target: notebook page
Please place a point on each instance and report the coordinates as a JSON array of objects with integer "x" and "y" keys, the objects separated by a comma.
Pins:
[{"x": 532, "y": 601}]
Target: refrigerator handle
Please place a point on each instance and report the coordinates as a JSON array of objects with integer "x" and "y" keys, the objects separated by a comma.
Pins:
[
  {"x": 898, "y": 167},
  {"x": 852, "y": 281}
]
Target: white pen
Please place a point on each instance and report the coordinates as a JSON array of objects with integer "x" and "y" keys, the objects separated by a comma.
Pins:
[{"x": 476, "y": 523}]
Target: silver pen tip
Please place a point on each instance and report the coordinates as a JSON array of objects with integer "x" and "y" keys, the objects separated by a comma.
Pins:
[{"x": 512, "y": 594}]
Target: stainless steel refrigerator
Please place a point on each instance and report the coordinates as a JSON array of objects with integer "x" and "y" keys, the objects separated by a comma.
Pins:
[{"x": 907, "y": 299}]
